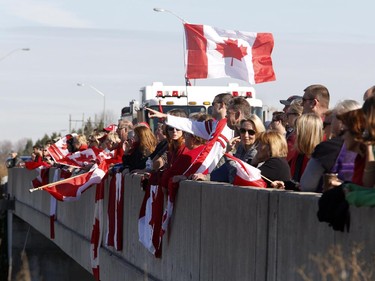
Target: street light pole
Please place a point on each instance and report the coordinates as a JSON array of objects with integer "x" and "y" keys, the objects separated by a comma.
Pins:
[
  {"x": 13, "y": 51},
  {"x": 100, "y": 93},
  {"x": 160, "y": 10}
]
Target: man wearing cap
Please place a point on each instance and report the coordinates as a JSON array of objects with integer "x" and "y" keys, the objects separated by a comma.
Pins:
[{"x": 288, "y": 102}]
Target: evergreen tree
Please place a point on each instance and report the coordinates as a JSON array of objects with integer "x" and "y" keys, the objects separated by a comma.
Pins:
[
  {"x": 28, "y": 148},
  {"x": 88, "y": 128}
]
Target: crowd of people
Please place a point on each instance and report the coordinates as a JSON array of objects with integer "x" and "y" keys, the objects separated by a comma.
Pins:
[{"x": 296, "y": 150}]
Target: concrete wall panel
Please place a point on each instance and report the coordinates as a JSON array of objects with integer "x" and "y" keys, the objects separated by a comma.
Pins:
[
  {"x": 181, "y": 244},
  {"x": 229, "y": 233},
  {"x": 218, "y": 232}
]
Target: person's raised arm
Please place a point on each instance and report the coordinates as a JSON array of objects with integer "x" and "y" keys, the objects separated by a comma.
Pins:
[
  {"x": 155, "y": 114},
  {"x": 185, "y": 124}
]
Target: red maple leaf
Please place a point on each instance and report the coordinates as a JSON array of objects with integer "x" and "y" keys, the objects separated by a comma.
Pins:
[
  {"x": 230, "y": 49},
  {"x": 83, "y": 158}
]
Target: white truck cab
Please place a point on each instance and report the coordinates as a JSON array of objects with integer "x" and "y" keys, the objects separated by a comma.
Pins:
[{"x": 190, "y": 98}]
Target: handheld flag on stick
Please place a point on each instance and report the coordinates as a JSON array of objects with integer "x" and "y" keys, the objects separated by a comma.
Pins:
[{"x": 70, "y": 189}]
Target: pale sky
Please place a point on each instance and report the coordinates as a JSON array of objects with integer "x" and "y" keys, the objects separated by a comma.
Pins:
[{"x": 121, "y": 46}]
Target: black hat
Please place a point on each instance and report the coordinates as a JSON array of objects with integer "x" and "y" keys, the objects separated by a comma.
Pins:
[{"x": 290, "y": 99}]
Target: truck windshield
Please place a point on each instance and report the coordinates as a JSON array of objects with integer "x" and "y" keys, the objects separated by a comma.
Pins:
[{"x": 254, "y": 110}]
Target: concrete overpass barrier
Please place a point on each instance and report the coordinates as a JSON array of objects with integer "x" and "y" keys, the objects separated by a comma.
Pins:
[{"x": 218, "y": 232}]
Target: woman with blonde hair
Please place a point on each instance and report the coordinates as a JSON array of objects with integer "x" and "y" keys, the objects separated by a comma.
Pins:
[
  {"x": 243, "y": 147},
  {"x": 309, "y": 133},
  {"x": 272, "y": 152},
  {"x": 96, "y": 139},
  {"x": 80, "y": 143},
  {"x": 114, "y": 145},
  {"x": 144, "y": 144}
]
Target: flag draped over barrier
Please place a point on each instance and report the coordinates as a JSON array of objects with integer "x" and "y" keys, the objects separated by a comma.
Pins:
[
  {"x": 97, "y": 231},
  {"x": 115, "y": 212},
  {"x": 215, "y": 53},
  {"x": 150, "y": 218},
  {"x": 65, "y": 187}
]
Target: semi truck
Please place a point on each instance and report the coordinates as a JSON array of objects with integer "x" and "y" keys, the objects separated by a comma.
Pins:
[{"x": 190, "y": 98}]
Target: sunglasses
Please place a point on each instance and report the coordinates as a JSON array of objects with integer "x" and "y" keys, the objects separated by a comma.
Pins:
[
  {"x": 250, "y": 132},
  {"x": 171, "y": 129},
  {"x": 305, "y": 99}
]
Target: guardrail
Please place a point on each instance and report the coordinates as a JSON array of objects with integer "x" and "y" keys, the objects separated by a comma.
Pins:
[{"x": 218, "y": 232}]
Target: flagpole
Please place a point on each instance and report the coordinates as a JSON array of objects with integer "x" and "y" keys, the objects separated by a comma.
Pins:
[
  {"x": 160, "y": 10},
  {"x": 54, "y": 183},
  {"x": 267, "y": 179},
  {"x": 98, "y": 92}
]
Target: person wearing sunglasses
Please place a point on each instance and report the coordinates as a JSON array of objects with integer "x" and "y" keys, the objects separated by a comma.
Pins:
[
  {"x": 278, "y": 122},
  {"x": 316, "y": 100},
  {"x": 181, "y": 166},
  {"x": 249, "y": 130},
  {"x": 176, "y": 143},
  {"x": 215, "y": 131},
  {"x": 243, "y": 147}
]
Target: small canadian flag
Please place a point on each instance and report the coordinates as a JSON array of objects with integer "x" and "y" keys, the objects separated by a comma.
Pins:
[{"x": 215, "y": 53}]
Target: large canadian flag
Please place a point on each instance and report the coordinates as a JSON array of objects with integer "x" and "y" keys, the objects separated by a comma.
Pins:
[{"x": 215, "y": 53}]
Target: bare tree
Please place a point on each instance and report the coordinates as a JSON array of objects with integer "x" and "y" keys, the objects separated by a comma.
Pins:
[{"x": 5, "y": 148}]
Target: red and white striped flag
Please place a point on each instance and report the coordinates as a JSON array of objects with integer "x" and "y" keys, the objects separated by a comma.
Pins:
[
  {"x": 150, "y": 219},
  {"x": 42, "y": 177},
  {"x": 97, "y": 230},
  {"x": 115, "y": 213},
  {"x": 71, "y": 189},
  {"x": 85, "y": 157},
  {"x": 246, "y": 175},
  {"x": 215, "y": 53},
  {"x": 59, "y": 149},
  {"x": 168, "y": 212}
]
